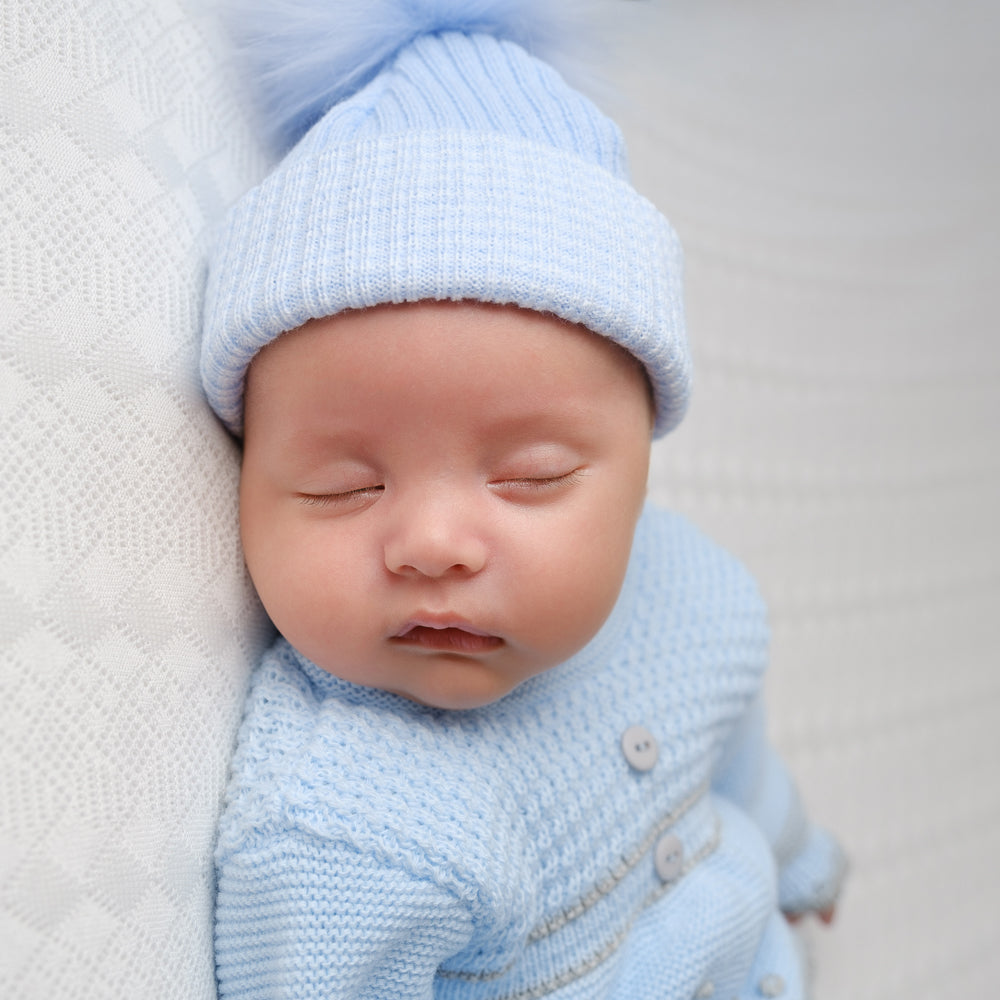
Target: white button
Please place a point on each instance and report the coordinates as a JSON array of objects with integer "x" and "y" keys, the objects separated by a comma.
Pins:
[
  {"x": 640, "y": 748},
  {"x": 668, "y": 857},
  {"x": 706, "y": 990},
  {"x": 771, "y": 986}
]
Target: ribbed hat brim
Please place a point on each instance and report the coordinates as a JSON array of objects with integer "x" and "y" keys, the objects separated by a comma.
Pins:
[{"x": 446, "y": 214}]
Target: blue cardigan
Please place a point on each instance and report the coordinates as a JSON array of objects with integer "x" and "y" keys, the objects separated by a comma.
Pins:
[{"x": 615, "y": 827}]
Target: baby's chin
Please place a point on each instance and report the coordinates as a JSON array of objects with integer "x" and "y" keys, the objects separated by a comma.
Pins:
[
  {"x": 444, "y": 680},
  {"x": 471, "y": 690}
]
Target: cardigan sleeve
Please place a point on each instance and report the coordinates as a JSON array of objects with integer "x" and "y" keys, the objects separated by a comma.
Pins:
[
  {"x": 301, "y": 917},
  {"x": 811, "y": 864}
]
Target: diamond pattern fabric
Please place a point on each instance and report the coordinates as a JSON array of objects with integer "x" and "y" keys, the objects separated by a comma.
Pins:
[{"x": 127, "y": 624}]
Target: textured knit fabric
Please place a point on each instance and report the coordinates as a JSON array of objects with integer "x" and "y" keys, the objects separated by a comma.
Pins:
[
  {"x": 376, "y": 848},
  {"x": 467, "y": 169},
  {"x": 127, "y": 625}
]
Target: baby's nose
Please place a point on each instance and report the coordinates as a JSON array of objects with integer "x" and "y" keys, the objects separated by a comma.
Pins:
[{"x": 434, "y": 540}]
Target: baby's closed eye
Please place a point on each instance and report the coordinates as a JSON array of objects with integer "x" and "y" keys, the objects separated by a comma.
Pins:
[
  {"x": 347, "y": 499},
  {"x": 535, "y": 487}
]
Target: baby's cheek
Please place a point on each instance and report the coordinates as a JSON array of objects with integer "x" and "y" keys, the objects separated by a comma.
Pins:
[{"x": 571, "y": 598}]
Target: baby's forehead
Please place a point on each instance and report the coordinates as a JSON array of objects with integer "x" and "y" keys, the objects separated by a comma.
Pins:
[
  {"x": 441, "y": 334},
  {"x": 392, "y": 371}
]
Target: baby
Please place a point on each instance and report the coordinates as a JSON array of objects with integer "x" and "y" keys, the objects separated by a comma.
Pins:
[{"x": 510, "y": 742}]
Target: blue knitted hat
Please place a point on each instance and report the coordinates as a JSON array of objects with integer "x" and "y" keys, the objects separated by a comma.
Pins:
[{"x": 443, "y": 161}]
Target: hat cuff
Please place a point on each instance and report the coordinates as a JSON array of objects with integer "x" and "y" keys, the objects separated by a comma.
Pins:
[{"x": 445, "y": 215}]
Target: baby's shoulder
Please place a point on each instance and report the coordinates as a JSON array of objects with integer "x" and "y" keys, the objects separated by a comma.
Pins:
[
  {"x": 323, "y": 761},
  {"x": 278, "y": 717},
  {"x": 683, "y": 568}
]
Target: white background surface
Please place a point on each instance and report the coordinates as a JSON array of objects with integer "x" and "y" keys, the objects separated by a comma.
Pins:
[
  {"x": 832, "y": 169},
  {"x": 834, "y": 172}
]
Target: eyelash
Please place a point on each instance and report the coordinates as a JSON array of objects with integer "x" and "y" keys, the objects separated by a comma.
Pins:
[
  {"x": 330, "y": 499},
  {"x": 528, "y": 484},
  {"x": 541, "y": 483}
]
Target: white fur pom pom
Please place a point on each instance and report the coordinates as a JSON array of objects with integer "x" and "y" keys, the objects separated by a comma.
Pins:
[{"x": 306, "y": 55}]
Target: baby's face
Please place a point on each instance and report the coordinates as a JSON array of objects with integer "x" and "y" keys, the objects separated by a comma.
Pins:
[{"x": 439, "y": 499}]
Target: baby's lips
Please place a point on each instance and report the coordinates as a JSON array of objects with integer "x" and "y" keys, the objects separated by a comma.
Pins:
[{"x": 447, "y": 638}]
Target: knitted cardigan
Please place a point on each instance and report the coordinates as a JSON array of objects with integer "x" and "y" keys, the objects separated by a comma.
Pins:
[{"x": 372, "y": 847}]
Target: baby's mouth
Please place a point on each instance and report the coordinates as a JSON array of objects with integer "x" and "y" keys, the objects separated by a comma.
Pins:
[{"x": 447, "y": 639}]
